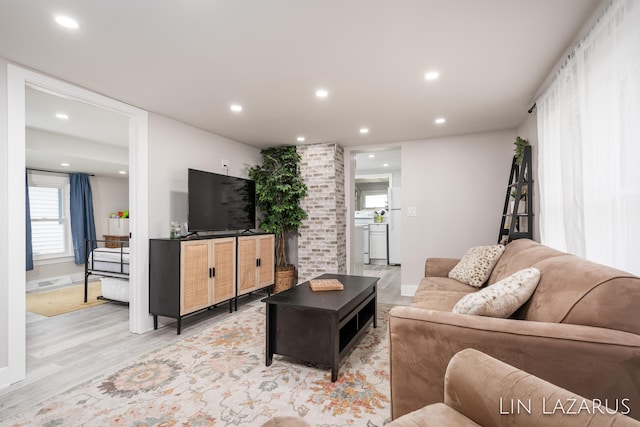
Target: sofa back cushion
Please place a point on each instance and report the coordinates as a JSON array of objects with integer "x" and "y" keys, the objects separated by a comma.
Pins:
[
  {"x": 518, "y": 255},
  {"x": 572, "y": 289}
]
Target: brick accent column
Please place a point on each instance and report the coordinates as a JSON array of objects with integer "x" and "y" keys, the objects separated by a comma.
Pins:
[{"x": 322, "y": 244}]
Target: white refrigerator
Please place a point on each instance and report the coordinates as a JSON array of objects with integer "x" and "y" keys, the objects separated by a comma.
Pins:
[{"x": 395, "y": 225}]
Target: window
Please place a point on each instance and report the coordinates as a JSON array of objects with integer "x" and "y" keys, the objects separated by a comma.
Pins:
[
  {"x": 50, "y": 224},
  {"x": 374, "y": 201}
]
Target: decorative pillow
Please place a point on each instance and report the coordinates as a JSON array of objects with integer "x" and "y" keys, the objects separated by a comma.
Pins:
[
  {"x": 503, "y": 298},
  {"x": 475, "y": 266}
]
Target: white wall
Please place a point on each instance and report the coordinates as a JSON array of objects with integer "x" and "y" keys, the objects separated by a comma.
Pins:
[
  {"x": 4, "y": 246},
  {"x": 175, "y": 147},
  {"x": 110, "y": 194},
  {"x": 457, "y": 184},
  {"x": 45, "y": 143}
]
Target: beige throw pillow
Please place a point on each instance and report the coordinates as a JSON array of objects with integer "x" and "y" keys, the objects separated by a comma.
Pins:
[
  {"x": 503, "y": 298},
  {"x": 476, "y": 265}
]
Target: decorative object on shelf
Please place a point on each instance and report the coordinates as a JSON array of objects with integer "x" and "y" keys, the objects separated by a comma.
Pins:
[
  {"x": 378, "y": 215},
  {"x": 522, "y": 206},
  {"x": 325, "y": 285},
  {"x": 174, "y": 231},
  {"x": 279, "y": 190},
  {"x": 519, "y": 150}
]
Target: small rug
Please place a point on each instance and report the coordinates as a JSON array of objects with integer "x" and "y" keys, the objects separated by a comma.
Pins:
[
  {"x": 219, "y": 378},
  {"x": 63, "y": 300}
]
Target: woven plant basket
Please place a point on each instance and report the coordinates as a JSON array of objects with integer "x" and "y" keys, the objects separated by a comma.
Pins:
[{"x": 284, "y": 278}]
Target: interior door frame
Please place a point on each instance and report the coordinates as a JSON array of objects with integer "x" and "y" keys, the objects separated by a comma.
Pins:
[{"x": 139, "y": 320}]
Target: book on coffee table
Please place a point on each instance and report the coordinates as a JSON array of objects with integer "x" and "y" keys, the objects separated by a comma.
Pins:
[{"x": 326, "y": 285}]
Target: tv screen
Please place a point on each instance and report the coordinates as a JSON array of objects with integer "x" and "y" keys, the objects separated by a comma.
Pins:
[{"x": 220, "y": 202}]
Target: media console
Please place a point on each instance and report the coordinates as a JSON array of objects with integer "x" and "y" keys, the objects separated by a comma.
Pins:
[{"x": 189, "y": 275}]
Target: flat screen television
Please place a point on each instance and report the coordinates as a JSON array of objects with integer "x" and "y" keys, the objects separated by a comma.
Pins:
[{"x": 220, "y": 202}]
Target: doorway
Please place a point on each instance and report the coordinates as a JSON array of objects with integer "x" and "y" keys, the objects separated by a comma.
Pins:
[
  {"x": 376, "y": 207},
  {"x": 139, "y": 321},
  {"x": 64, "y": 135}
]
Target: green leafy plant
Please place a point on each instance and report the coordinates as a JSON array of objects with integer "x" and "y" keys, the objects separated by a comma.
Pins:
[
  {"x": 519, "y": 150},
  {"x": 279, "y": 190},
  {"x": 523, "y": 196}
]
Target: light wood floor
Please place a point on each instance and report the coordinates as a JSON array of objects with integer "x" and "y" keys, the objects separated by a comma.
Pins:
[
  {"x": 389, "y": 284},
  {"x": 69, "y": 349}
]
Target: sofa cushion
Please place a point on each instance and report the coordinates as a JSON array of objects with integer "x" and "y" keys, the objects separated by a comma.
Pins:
[
  {"x": 434, "y": 415},
  {"x": 440, "y": 293},
  {"x": 503, "y": 298},
  {"x": 577, "y": 291},
  {"x": 476, "y": 265},
  {"x": 518, "y": 255}
]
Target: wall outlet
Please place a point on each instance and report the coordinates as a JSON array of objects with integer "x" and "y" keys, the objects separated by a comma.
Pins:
[
  {"x": 412, "y": 211},
  {"x": 225, "y": 164}
]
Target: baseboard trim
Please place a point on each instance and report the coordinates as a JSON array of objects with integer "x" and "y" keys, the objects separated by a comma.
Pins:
[
  {"x": 408, "y": 290},
  {"x": 52, "y": 282}
]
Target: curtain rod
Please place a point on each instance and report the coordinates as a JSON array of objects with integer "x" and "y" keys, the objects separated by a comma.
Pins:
[
  {"x": 63, "y": 173},
  {"x": 530, "y": 110}
]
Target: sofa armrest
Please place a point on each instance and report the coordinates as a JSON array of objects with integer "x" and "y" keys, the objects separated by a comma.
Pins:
[
  {"x": 596, "y": 363},
  {"x": 495, "y": 394},
  {"x": 439, "y": 267}
]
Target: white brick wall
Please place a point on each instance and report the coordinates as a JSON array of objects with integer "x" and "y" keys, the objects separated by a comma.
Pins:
[{"x": 322, "y": 241}]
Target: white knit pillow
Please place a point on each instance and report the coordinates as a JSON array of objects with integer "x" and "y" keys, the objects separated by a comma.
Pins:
[
  {"x": 475, "y": 266},
  {"x": 503, "y": 298}
]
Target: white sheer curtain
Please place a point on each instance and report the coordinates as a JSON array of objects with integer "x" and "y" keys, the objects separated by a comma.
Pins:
[{"x": 589, "y": 145}]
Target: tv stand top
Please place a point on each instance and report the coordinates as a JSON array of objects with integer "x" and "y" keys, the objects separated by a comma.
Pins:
[{"x": 196, "y": 235}]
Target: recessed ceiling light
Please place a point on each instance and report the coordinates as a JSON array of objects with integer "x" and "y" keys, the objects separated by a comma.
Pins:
[
  {"x": 62, "y": 116},
  {"x": 364, "y": 130},
  {"x": 237, "y": 108},
  {"x": 386, "y": 165},
  {"x": 67, "y": 22},
  {"x": 122, "y": 172},
  {"x": 431, "y": 75},
  {"x": 371, "y": 156},
  {"x": 300, "y": 138},
  {"x": 322, "y": 93},
  {"x": 65, "y": 164},
  {"x": 440, "y": 120}
]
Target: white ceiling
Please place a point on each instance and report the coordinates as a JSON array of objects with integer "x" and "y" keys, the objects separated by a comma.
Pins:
[
  {"x": 189, "y": 60},
  {"x": 90, "y": 140},
  {"x": 84, "y": 120},
  {"x": 378, "y": 161}
]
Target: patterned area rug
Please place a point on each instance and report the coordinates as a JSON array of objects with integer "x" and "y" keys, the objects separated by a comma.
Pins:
[{"x": 219, "y": 378}]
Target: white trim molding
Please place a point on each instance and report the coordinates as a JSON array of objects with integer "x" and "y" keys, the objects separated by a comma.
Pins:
[{"x": 140, "y": 321}]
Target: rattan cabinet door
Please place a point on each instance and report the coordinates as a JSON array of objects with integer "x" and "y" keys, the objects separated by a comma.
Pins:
[
  {"x": 255, "y": 262},
  {"x": 194, "y": 276},
  {"x": 247, "y": 265},
  {"x": 267, "y": 262},
  {"x": 224, "y": 269}
]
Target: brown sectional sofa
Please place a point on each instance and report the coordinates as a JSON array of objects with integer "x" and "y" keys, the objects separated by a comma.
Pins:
[{"x": 580, "y": 330}]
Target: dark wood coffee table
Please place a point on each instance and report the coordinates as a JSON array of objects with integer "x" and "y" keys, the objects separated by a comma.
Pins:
[{"x": 320, "y": 326}]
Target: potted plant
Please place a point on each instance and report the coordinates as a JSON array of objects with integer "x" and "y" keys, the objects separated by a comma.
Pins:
[
  {"x": 279, "y": 190},
  {"x": 519, "y": 150}
]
